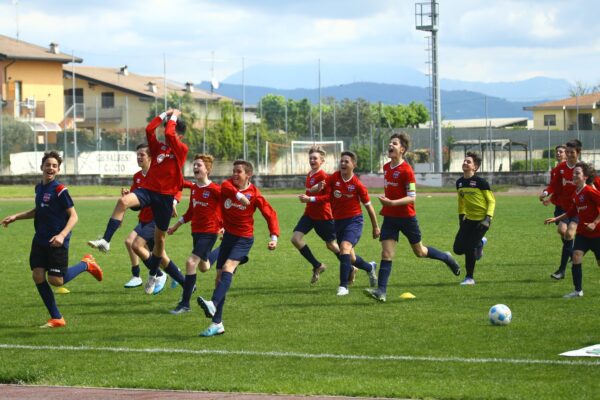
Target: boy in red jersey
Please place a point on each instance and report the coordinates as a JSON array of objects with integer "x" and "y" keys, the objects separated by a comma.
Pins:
[
  {"x": 205, "y": 214},
  {"x": 239, "y": 201},
  {"x": 54, "y": 217},
  {"x": 316, "y": 215},
  {"x": 561, "y": 190},
  {"x": 346, "y": 192},
  {"x": 164, "y": 180},
  {"x": 585, "y": 203},
  {"x": 399, "y": 215}
]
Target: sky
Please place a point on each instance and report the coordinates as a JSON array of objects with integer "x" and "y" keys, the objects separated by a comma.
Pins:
[{"x": 488, "y": 41}]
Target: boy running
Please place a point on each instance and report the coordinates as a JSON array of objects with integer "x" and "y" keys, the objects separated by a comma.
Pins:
[
  {"x": 476, "y": 204},
  {"x": 399, "y": 215},
  {"x": 239, "y": 201},
  {"x": 54, "y": 217}
]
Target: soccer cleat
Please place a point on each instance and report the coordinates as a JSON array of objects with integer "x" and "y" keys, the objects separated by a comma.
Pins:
[
  {"x": 468, "y": 282},
  {"x": 134, "y": 282},
  {"x": 161, "y": 281},
  {"x": 352, "y": 275},
  {"x": 180, "y": 309},
  {"x": 373, "y": 274},
  {"x": 342, "y": 291},
  {"x": 376, "y": 294},
  {"x": 100, "y": 244},
  {"x": 213, "y": 330},
  {"x": 92, "y": 267},
  {"x": 453, "y": 265},
  {"x": 479, "y": 250},
  {"x": 317, "y": 273},
  {"x": 149, "y": 286},
  {"x": 174, "y": 283},
  {"x": 574, "y": 294},
  {"x": 55, "y": 323},
  {"x": 558, "y": 275},
  {"x": 207, "y": 306}
]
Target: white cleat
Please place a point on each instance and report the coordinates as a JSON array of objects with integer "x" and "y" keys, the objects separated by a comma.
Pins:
[
  {"x": 574, "y": 294},
  {"x": 100, "y": 244},
  {"x": 342, "y": 291},
  {"x": 150, "y": 284},
  {"x": 134, "y": 282}
]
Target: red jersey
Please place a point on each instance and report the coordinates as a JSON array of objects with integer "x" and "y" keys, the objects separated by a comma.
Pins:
[
  {"x": 549, "y": 190},
  {"x": 165, "y": 175},
  {"x": 585, "y": 203},
  {"x": 318, "y": 211},
  {"x": 204, "y": 210},
  {"x": 239, "y": 219},
  {"x": 345, "y": 196},
  {"x": 399, "y": 182},
  {"x": 145, "y": 214},
  {"x": 562, "y": 185}
]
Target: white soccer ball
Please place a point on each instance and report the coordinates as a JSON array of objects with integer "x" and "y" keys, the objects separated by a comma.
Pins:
[{"x": 500, "y": 314}]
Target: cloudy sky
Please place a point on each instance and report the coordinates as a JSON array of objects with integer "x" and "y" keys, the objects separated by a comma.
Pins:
[{"x": 490, "y": 41}]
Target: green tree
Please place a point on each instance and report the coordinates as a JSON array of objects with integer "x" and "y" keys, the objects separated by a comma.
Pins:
[{"x": 225, "y": 138}]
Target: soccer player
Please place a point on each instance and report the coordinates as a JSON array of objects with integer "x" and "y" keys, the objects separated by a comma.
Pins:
[
  {"x": 316, "y": 215},
  {"x": 399, "y": 215},
  {"x": 476, "y": 204},
  {"x": 560, "y": 191},
  {"x": 54, "y": 217},
  {"x": 346, "y": 192},
  {"x": 239, "y": 201},
  {"x": 585, "y": 202},
  {"x": 163, "y": 181},
  {"x": 205, "y": 214}
]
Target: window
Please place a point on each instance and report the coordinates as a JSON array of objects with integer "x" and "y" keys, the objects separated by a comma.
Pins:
[
  {"x": 108, "y": 100},
  {"x": 550, "y": 120},
  {"x": 69, "y": 97}
]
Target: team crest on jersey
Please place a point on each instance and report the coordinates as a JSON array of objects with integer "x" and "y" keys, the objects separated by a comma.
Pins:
[
  {"x": 581, "y": 198},
  {"x": 337, "y": 183},
  {"x": 396, "y": 174},
  {"x": 206, "y": 194},
  {"x": 46, "y": 197},
  {"x": 163, "y": 148},
  {"x": 472, "y": 183},
  {"x": 351, "y": 188},
  {"x": 312, "y": 181},
  {"x": 160, "y": 158}
]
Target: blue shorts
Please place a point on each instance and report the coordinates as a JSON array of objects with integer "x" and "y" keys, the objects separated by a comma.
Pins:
[
  {"x": 203, "y": 244},
  {"x": 146, "y": 232},
  {"x": 55, "y": 260},
  {"x": 325, "y": 229},
  {"x": 161, "y": 204},
  {"x": 392, "y": 226},
  {"x": 349, "y": 229},
  {"x": 233, "y": 248},
  {"x": 584, "y": 243},
  {"x": 559, "y": 211}
]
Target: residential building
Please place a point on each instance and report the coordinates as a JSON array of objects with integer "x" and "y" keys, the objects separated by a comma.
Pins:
[{"x": 572, "y": 113}]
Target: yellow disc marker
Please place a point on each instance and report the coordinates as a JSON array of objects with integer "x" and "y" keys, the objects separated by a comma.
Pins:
[
  {"x": 62, "y": 290},
  {"x": 407, "y": 296}
]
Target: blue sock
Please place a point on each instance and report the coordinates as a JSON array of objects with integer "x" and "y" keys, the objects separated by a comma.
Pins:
[
  {"x": 48, "y": 299},
  {"x": 188, "y": 288},
  {"x": 111, "y": 228},
  {"x": 345, "y": 268},
  {"x": 135, "y": 270},
  {"x": 153, "y": 264},
  {"x": 577, "y": 277},
  {"x": 222, "y": 288},
  {"x": 213, "y": 256},
  {"x": 435, "y": 254},
  {"x": 174, "y": 272},
  {"x": 338, "y": 256},
  {"x": 362, "y": 264},
  {"x": 306, "y": 253},
  {"x": 73, "y": 271},
  {"x": 567, "y": 252},
  {"x": 385, "y": 269},
  {"x": 218, "y": 317}
]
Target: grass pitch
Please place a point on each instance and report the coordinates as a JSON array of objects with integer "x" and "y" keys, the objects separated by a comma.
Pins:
[{"x": 284, "y": 336}]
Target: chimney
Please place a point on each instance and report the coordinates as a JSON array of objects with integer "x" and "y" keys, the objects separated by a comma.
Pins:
[
  {"x": 152, "y": 87},
  {"x": 124, "y": 71},
  {"x": 189, "y": 87},
  {"x": 54, "y": 48}
]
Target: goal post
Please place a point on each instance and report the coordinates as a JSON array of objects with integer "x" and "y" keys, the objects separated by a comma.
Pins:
[{"x": 300, "y": 147}]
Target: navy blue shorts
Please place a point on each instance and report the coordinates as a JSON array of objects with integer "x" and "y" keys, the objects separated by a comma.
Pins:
[
  {"x": 392, "y": 226},
  {"x": 349, "y": 229},
  {"x": 203, "y": 244},
  {"x": 55, "y": 260},
  {"x": 559, "y": 211},
  {"x": 146, "y": 232},
  {"x": 325, "y": 229},
  {"x": 233, "y": 248},
  {"x": 584, "y": 243},
  {"x": 161, "y": 204}
]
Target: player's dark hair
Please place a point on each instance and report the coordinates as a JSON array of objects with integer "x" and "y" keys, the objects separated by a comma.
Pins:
[
  {"x": 317, "y": 149},
  {"x": 588, "y": 171},
  {"x": 575, "y": 144},
  {"x": 52, "y": 154},
  {"x": 404, "y": 139},
  {"x": 350, "y": 154},
  {"x": 560, "y": 146},
  {"x": 180, "y": 125},
  {"x": 476, "y": 158},
  {"x": 143, "y": 146},
  {"x": 207, "y": 159},
  {"x": 247, "y": 165}
]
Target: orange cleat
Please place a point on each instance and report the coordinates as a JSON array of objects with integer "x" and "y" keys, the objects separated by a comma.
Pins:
[
  {"x": 93, "y": 267},
  {"x": 55, "y": 323}
]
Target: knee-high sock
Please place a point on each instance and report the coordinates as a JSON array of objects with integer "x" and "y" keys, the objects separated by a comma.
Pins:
[
  {"x": 345, "y": 267},
  {"x": 222, "y": 288},
  {"x": 362, "y": 264},
  {"x": 48, "y": 299},
  {"x": 577, "y": 277},
  {"x": 436, "y": 254},
  {"x": 218, "y": 317},
  {"x": 385, "y": 269},
  {"x": 188, "y": 289},
  {"x": 567, "y": 252},
  {"x": 147, "y": 264},
  {"x": 174, "y": 272},
  {"x": 135, "y": 270},
  {"x": 73, "y": 271},
  {"x": 111, "y": 228},
  {"x": 154, "y": 264},
  {"x": 306, "y": 253},
  {"x": 470, "y": 263}
]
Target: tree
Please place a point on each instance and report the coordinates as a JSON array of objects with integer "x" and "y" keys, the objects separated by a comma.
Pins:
[
  {"x": 582, "y": 88},
  {"x": 225, "y": 139}
]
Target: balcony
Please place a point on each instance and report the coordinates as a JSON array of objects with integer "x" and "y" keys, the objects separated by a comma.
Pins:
[
  {"x": 25, "y": 110},
  {"x": 104, "y": 115}
]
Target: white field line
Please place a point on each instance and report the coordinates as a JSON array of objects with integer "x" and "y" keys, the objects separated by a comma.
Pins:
[{"x": 279, "y": 354}]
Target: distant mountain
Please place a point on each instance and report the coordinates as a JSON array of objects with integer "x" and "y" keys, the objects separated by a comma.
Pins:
[{"x": 456, "y": 104}]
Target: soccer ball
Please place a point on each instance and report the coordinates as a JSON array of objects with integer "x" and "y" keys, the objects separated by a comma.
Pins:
[{"x": 500, "y": 314}]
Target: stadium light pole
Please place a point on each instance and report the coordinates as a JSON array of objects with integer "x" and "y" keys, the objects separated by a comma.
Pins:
[
  {"x": 320, "y": 106},
  {"x": 75, "y": 163},
  {"x": 244, "y": 107}
]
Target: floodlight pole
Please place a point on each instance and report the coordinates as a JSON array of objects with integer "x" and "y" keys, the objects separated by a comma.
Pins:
[
  {"x": 320, "y": 106},
  {"x": 244, "y": 106}
]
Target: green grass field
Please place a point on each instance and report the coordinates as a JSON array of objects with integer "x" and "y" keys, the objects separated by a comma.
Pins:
[{"x": 284, "y": 336}]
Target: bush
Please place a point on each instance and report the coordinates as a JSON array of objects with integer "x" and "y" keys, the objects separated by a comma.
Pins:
[{"x": 539, "y": 164}]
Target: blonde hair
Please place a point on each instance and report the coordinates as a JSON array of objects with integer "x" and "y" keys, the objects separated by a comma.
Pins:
[{"x": 207, "y": 159}]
